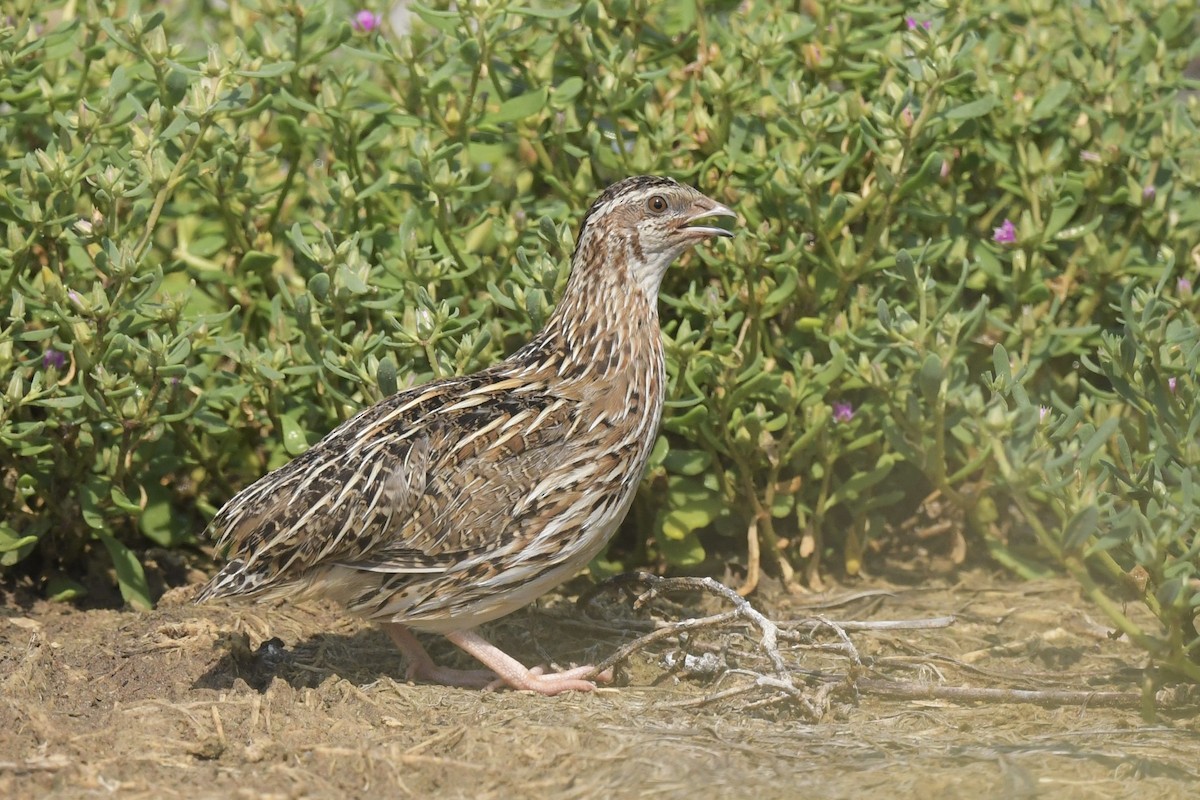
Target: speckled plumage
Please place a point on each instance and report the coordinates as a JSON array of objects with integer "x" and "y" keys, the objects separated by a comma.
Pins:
[{"x": 456, "y": 502}]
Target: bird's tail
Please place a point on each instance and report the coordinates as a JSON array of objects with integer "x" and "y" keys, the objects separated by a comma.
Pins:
[{"x": 234, "y": 579}]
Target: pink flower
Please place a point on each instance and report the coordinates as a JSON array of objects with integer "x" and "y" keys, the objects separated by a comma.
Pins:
[
  {"x": 1184, "y": 287},
  {"x": 843, "y": 412},
  {"x": 1149, "y": 192},
  {"x": 366, "y": 21},
  {"x": 1005, "y": 234},
  {"x": 1088, "y": 155},
  {"x": 913, "y": 24},
  {"x": 1171, "y": 384}
]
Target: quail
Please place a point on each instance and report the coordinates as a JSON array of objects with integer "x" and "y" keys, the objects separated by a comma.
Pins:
[{"x": 456, "y": 502}]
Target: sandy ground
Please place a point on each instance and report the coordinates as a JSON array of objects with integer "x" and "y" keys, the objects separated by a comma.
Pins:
[{"x": 301, "y": 701}]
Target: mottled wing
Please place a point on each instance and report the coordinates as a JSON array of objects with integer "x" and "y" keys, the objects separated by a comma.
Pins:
[
  {"x": 491, "y": 457},
  {"x": 337, "y": 499},
  {"x": 407, "y": 487}
]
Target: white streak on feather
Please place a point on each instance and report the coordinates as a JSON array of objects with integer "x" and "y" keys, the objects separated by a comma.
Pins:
[
  {"x": 495, "y": 388},
  {"x": 470, "y": 402},
  {"x": 485, "y": 430},
  {"x": 546, "y": 412},
  {"x": 503, "y": 440}
]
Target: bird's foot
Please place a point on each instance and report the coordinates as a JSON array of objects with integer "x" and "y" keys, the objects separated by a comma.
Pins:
[
  {"x": 551, "y": 683},
  {"x": 422, "y": 668},
  {"x": 512, "y": 673},
  {"x": 504, "y": 670}
]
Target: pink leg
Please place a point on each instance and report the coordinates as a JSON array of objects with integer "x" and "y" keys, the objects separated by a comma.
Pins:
[
  {"x": 504, "y": 669},
  {"x": 513, "y": 673},
  {"x": 422, "y": 668}
]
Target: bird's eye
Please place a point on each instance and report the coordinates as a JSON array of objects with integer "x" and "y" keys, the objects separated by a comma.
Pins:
[{"x": 657, "y": 204}]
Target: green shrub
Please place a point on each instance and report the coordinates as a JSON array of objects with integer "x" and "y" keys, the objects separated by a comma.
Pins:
[{"x": 967, "y": 236}]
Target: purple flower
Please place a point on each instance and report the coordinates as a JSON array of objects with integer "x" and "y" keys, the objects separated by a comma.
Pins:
[
  {"x": 913, "y": 24},
  {"x": 1006, "y": 233},
  {"x": 843, "y": 412},
  {"x": 54, "y": 359},
  {"x": 1088, "y": 155},
  {"x": 1043, "y": 413},
  {"x": 366, "y": 21},
  {"x": 1184, "y": 287},
  {"x": 1149, "y": 192},
  {"x": 1171, "y": 384}
]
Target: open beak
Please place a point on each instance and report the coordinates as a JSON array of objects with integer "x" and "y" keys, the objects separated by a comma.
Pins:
[{"x": 704, "y": 210}]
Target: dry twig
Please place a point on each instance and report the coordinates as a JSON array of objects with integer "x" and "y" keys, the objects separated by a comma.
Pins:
[
  {"x": 779, "y": 683},
  {"x": 1051, "y": 697},
  {"x": 742, "y": 611}
]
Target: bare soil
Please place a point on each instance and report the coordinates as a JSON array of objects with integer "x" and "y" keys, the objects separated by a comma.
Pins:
[{"x": 302, "y": 701}]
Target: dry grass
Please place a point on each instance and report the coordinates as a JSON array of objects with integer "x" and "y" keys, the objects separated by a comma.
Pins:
[{"x": 198, "y": 702}]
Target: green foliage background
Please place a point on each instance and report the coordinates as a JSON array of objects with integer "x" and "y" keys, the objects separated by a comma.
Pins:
[{"x": 227, "y": 230}]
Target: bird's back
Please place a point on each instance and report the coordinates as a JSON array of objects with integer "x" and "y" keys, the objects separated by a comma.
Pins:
[{"x": 446, "y": 497}]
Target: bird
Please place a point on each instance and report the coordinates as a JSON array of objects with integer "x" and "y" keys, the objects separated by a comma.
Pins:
[{"x": 453, "y": 503}]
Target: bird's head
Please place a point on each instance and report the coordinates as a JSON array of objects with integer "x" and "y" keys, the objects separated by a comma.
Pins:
[{"x": 649, "y": 221}]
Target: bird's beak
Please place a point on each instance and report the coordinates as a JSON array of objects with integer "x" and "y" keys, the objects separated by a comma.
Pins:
[{"x": 703, "y": 210}]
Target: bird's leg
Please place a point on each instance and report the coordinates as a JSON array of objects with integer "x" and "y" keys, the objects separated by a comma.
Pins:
[
  {"x": 514, "y": 674},
  {"x": 422, "y": 668},
  {"x": 504, "y": 669}
]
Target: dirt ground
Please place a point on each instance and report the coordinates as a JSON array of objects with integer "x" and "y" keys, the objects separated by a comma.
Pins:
[{"x": 300, "y": 701}]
